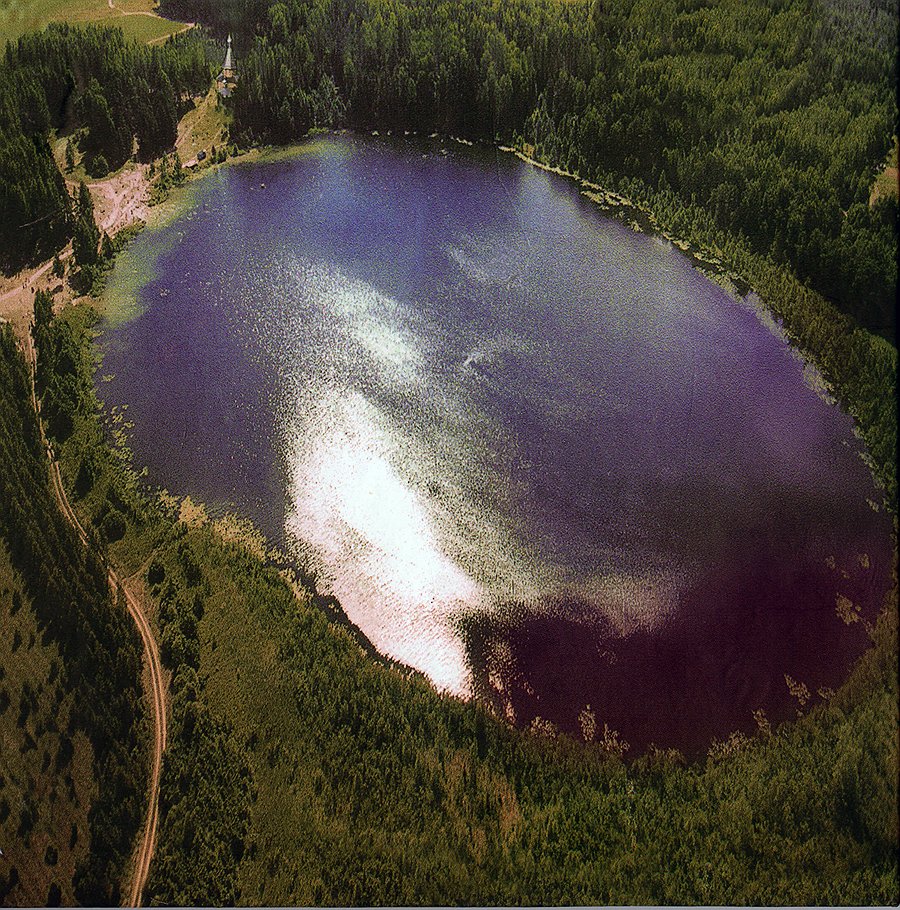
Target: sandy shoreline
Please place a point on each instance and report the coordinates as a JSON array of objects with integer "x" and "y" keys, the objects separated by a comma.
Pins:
[{"x": 120, "y": 201}]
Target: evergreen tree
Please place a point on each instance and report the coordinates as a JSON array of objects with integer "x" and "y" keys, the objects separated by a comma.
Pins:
[
  {"x": 86, "y": 238},
  {"x": 107, "y": 253},
  {"x": 122, "y": 91}
]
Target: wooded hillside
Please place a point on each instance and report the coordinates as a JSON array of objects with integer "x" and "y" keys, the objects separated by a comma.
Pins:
[
  {"x": 111, "y": 97},
  {"x": 771, "y": 115},
  {"x": 301, "y": 771},
  {"x": 97, "y": 674}
]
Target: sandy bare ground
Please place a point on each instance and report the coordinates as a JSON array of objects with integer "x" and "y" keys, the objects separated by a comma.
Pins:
[
  {"x": 886, "y": 184},
  {"x": 17, "y": 292},
  {"x": 119, "y": 201}
]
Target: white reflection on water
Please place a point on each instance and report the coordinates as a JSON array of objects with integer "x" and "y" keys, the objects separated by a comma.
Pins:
[
  {"x": 371, "y": 535},
  {"x": 451, "y": 389},
  {"x": 401, "y": 495},
  {"x": 355, "y": 511}
]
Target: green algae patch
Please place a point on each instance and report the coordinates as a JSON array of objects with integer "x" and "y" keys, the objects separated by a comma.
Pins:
[
  {"x": 135, "y": 266},
  {"x": 320, "y": 144}
]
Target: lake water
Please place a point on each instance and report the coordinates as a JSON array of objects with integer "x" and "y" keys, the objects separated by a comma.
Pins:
[{"x": 533, "y": 453}]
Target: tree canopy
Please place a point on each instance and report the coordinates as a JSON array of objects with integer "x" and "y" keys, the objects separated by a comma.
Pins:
[
  {"x": 107, "y": 94},
  {"x": 771, "y": 115}
]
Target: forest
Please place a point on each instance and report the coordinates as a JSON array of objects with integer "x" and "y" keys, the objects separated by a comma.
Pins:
[
  {"x": 98, "y": 646},
  {"x": 300, "y": 771},
  {"x": 110, "y": 97},
  {"x": 770, "y": 115}
]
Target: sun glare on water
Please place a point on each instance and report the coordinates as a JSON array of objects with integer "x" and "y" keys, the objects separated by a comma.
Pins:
[{"x": 372, "y": 530}]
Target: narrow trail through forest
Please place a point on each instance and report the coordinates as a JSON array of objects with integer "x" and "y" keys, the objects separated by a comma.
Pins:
[{"x": 156, "y": 687}]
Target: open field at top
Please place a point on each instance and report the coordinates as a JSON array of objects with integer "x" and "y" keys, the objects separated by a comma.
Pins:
[{"x": 138, "y": 19}]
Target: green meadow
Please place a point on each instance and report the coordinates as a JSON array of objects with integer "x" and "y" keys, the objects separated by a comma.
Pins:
[{"x": 136, "y": 18}]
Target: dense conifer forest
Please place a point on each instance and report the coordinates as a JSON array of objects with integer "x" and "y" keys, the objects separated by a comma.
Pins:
[
  {"x": 772, "y": 116},
  {"x": 98, "y": 670},
  {"x": 112, "y": 97}
]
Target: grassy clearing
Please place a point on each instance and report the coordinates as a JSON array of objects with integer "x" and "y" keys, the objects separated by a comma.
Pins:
[
  {"x": 887, "y": 182},
  {"x": 204, "y": 126},
  {"x": 147, "y": 29},
  {"x": 137, "y": 18}
]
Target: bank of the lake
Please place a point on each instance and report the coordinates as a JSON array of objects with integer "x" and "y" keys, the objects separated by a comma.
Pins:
[
  {"x": 859, "y": 368},
  {"x": 234, "y": 440},
  {"x": 355, "y": 770}
]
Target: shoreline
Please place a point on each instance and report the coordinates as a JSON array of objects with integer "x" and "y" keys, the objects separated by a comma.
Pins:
[
  {"x": 122, "y": 201},
  {"x": 712, "y": 258},
  {"x": 329, "y": 604},
  {"x": 126, "y": 193},
  {"x": 610, "y": 201}
]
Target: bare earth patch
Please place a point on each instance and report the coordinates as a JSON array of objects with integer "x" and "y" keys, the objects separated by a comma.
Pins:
[
  {"x": 121, "y": 200},
  {"x": 887, "y": 184}
]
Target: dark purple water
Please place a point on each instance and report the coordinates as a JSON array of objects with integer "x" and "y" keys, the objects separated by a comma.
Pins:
[{"x": 533, "y": 453}]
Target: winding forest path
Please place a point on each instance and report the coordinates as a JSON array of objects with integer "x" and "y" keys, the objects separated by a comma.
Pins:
[
  {"x": 37, "y": 273},
  {"x": 147, "y": 843},
  {"x": 163, "y": 38},
  {"x": 152, "y": 15}
]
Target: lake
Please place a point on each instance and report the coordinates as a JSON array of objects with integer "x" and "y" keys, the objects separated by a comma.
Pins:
[{"x": 533, "y": 453}]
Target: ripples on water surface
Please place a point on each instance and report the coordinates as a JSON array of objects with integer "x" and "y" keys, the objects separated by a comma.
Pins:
[{"x": 533, "y": 454}]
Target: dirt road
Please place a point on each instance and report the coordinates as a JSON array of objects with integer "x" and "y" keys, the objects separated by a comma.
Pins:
[
  {"x": 152, "y": 670},
  {"x": 152, "y": 15}
]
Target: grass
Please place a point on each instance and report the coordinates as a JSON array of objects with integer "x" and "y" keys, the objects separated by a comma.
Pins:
[
  {"x": 147, "y": 29},
  {"x": 202, "y": 127},
  {"x": 38, "y": 784},
  {"x": 136, "y": 18},
  {"x": 886, "y": 182}
]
